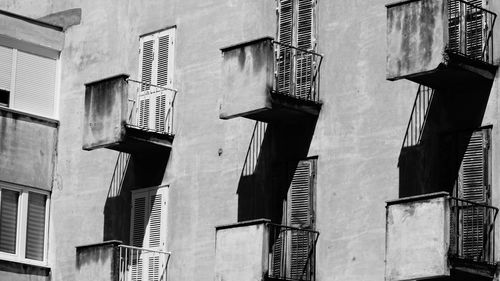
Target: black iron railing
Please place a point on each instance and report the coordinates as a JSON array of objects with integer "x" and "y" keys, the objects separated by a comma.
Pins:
[
  {"x": 151, "y": 107},
  {"x": 470, "y": 29},
  {"x": 472, "y": 230},
  {"x": 292, "y": 253},
  {"x": 297, "y": 72},
  {"x": 418, "y": 117}
]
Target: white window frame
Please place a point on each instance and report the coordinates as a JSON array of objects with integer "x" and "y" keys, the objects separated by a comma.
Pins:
[
  {"x": 22, "y": 224},
  {"x": 12, "y": 91}
]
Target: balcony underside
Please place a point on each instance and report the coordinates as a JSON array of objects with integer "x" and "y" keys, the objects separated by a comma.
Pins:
[
  {"x": 285, "y": 108},
  {"x": 138, "y": 140},
  {"x": 464, "y": 269},
  {"x": 458, "y": 72}
]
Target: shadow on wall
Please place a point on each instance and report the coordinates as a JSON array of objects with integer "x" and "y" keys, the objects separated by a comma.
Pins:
[
  {"x": 433, "y": 164},
  {"x": 272, "y": 157},
  {"x": 131, "y": 172}
]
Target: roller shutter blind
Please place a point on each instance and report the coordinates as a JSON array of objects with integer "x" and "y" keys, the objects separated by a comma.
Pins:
[
  {"x": 148, "y": 230},
  {"x": 35, "y": 231},
  {"x": 5, "y": 68},
  {"x": 9, "y": 205},
  {"x": 473, "y": 186},
  {"x": 35, "y": 84}
]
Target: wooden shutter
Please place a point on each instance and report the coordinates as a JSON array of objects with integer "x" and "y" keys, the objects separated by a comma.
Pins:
[
  {"x": 9, "y": 204},
  {"x": 148, "y": 230},
  {"x": 156, "y": 68},
  {"x": 5, "y": 68},
  {"x": 474, "y": 30},
  {"x": 454, "y": 26},
  {"x": 35, "y": 84},
  {"x": 473, "y": 186},
  {"x": 35, "y": 231},
  {"x": 284, "y": 61}
]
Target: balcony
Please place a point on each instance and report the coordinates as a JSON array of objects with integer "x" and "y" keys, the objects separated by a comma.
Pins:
[
  {"x": 261, "y": 250},
  {"x": 128, "y": 116},
  {"x": 268, "y": 81},
  {"x": 112, "y": 261},
  {"x": 440, "y": 43},
  {"x": 436, "y": 236}
]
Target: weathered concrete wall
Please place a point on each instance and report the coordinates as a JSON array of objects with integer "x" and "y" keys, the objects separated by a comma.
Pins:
[
  {"x": 13, "y": 271},
  {"x": 241, "y": 252},
  {"x": 99, "y": 262},
  {"x": 27, "y": 149},
  {"x": 106, "y": 110},
  {"x": 247, "y": 78},
  {"x": 417, "y": 237},
  {"x": 357, "y": 137},
  {"x": 417, "y": 33}
]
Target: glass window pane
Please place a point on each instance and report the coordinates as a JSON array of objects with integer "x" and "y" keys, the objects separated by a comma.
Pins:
[
  {"x": 35, "y": 231},
  {"x": 8, "y": 220}
]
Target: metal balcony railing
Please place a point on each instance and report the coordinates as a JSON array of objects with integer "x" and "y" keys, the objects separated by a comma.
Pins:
[
  {"x": 418, "y": 116},
  {"x": 138, "y": 264},
  {"x": 297, "y": 72},
  {"x": 472, "y": 230},
  {"x": 151, "y": 107},
  {"x": 292, "y": 253},
  {"x": 470, "y": 29}
]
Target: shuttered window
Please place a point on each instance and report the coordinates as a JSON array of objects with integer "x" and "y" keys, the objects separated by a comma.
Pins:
[
  {"x": 473, "y": 185},
  {"x": 466, "y": 28},
  {"x": 156, "y": 69},
  {"x": 292, "y": 248},
  {"x": 23, "y": 224},
  {"x": 296, "y": 27},
  {"x": 29, "y": 81},
  {"x": 149, "y": 230}
]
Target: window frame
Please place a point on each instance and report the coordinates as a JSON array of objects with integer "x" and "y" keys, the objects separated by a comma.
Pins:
[
  {"x": 15, "y": 48},
  {"x": 22, "y": 225}
]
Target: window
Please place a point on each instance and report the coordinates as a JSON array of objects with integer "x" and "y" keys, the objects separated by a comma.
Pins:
[
  {"x": 156, "y": 65},
  {"x": 27, "y": 82},
  {"x": 148, "y": 230},
  {"x": 23, "y": 224}
]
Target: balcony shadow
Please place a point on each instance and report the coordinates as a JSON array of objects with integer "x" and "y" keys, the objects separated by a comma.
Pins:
[
  {"x": 433, "y": 164},
  {"x": 272, "y": 157},
  {"x": 131, "y": 172}
]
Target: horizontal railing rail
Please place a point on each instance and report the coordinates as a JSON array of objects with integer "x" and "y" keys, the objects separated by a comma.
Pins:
[
  {"x": 472, "y": 230},
  {"x": 151, "y": 107},
  {"x": 297, "y": 72},
  {"x": 418, "y": 117},
  {"x": 292, "y": 253},
  {"x": 139, "y": 264},
  {"x": 471, "y": 30}
]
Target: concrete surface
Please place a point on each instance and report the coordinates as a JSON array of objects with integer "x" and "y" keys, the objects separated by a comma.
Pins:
[{"x": 417, "y": 240}]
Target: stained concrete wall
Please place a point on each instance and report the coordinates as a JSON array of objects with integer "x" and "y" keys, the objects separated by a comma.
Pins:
[
  {"x": 357, "y": 136},
  {"x": 417, "y": 34},
  {"x": 417, "y": 237},
  {"x": 247, "y": 78},
  {"x": 27, "y": 149},
  {"x": 241, "y": 252},
  {"x": 98, "y": 262},
  {"x": 106, "y": 110}
]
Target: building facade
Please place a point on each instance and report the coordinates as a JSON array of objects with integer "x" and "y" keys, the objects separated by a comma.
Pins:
[{"x": 248, "y": 140}]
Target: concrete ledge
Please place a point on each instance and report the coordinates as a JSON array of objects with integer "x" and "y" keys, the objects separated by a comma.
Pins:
[
  {"x": 243, "y": 223},
  {"x": 398, "y": 3},
  {"x": 100, "y": 244},
  {"x": 36, "y": 118},
  {"x": 246, "y": 43},
  {"x": 417, "y": 198},
  {"x": 121, "y": 75}
]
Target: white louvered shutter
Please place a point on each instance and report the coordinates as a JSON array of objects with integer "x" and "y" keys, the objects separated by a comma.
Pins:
[
  {"x": 35, "y": 84},
  {"x": 284, "y": 55},
  {"x": 305, "y": 40},
  {"x": 5, "y": 68},
  {"x": 9, "y": 204},
  {"x": 156, "y": 68},
  {"x": 149, "y": 226},
  {"x": 473, "y": 186},
  {"x": 454, "y": 26},
  {"x": 35, "y": 231}
]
